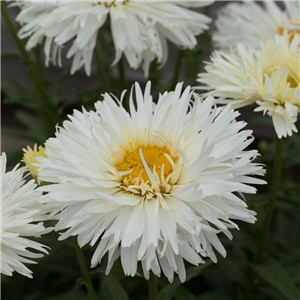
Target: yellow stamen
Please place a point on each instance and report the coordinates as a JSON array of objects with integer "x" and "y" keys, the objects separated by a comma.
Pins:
[
  {"x": 110, "y": 3},
  {"x": 291, "y": 32},
  {"x": 155, "y": 157},
  {"x": 292, "y": 81},
  {"x": 29, "y": 158}
]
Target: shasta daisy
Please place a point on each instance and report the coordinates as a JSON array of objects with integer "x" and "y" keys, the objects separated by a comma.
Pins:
[
  {"x": 140, "y": 29},
  {"x": 268, "y": 77},
  {"x": 22, "y": 217},
  {"x": 157, "y": 185}
]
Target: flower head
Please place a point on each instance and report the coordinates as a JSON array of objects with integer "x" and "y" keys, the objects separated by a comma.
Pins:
[
  {"x": 156, "y": 185},
  {"x": 140, "y": 29},
  {"x": 29, "y": 158},
  {"x": 268, "y": 77},
  {"x": 252, "y": 23},
  {"x": 21, "y": 217}
]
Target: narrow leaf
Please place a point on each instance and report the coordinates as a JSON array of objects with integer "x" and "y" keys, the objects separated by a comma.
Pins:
[
  {"x": 114, "y": 288},
  {"x": 214, "y": 296},
  {"x": 32, "y": 123},
  {"x": 183, "y": 293},
  {"x": 276, "y": 275},
  {"x": 168, "y": 292}
]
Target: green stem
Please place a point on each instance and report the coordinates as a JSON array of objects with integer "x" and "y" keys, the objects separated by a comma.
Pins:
[
  {"x": 152, "y": 286},
  {"x": 123, "y": 83},
  {"x": 101, "y": 72},
  {"x": 122, "y": 73},
  {"x": 84, "y": 270},
  {"x": 205, "y": 37},
  {"x": 272, "y": 199},
  {"x": 177, "y": 69},
  {"x": 39, "y": 64},
  {"x": 36, "y": 79},
  {"x": 102, "y": 40}
]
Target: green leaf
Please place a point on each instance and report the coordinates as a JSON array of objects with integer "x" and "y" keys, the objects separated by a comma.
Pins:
[
  {"x": 103, "y": 293},
  {"x": 272, "y": 271},
  {"x": 271, "y": 292},
  {"x": 168, "y": 292},
  {"x": 9, "y": 291},
  {"x": 70, "y": 295},
  {"x": 34, "y": 296},
  {"x": 114, "y": 288},
  {"x": 214, "y": 296},
  {"x": 33, "y": 124},
  {"x": 101, "y": 270},
  {"x": 14, "y": 93},
  {"x": 183, "y": 293},
  {"x": 291, "y": 263},
  {"x": 57, "y": 87},
  {"x": 233, "y": 270},
  {"x": 81, "y": 281},
  {"x": 13, "y": 158}
]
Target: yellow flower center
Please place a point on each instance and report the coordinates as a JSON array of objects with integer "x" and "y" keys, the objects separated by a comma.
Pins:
[
  {"x": 29, "y": 158},
  {"x": 110, "y": 3},
  {"x": 159, "y": 159},
  {"x": 292, "y": 81},
  {"x": 291, "y": 32},
  {"x": 293, "y": 78}
]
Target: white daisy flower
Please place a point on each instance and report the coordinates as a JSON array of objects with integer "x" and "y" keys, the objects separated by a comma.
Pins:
[
  {"x": 156, "y": 185},
  {"x": 21, "y": 218},
  {"x": 140, "y": 29},
  {"x": 253, "y": 22},
  {"x": 268, "y": 77}
]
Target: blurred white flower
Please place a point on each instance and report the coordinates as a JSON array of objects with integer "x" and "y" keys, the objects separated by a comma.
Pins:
[
  {"x": 253, "y": 22},
  {"x": 156, "y": 185},
  {"x": 21, "y": 217},
  {"x": 140, "y": 29},
  {"x": 268, "y": 77}
]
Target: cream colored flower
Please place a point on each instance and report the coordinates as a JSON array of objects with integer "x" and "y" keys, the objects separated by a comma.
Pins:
[
  {"x": 140, "y": 29},
  {"x": 268, "y": 77},
  {"x": 29, "y": 158},
  {"x": 155, "y": 186}
]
